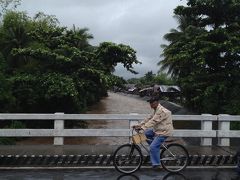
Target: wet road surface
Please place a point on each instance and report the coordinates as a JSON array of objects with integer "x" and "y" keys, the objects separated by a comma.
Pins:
[{"x": 111, "y": 174}]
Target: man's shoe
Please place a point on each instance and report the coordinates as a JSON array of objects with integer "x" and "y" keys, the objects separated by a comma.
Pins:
[{"x": 156, "y": 167}]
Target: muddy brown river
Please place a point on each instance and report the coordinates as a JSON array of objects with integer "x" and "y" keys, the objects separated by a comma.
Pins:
[
  {"x": 116, "y": 104},
  {"x": 113, "y": 104}
]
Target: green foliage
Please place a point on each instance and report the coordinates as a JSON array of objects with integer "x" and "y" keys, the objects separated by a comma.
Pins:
[
  {"x": 235, "y": 126},
  {"x": 116, "y": 81},
  {"x": 149, "y": 79},
  {"x": 44, "y": 93},
  {"x": 203, "y": 55},
  {"x": 14, "y": 34},
  {"x": 6, "y": 5},
  {"x": 110, "y": 54},
  {"x": 60, "y": 94},
  {"x": 44, "y": 21},
  {"x": 13, "y": 125},
  {"x": 46, "y": 68},
  {"x": 149, "y": 76},
  {"x": 6, "y": 99},
  {"x": 163, "y": 79},
  {"x": 133, "y": 81},
  {"x": 7, "y": 141}
]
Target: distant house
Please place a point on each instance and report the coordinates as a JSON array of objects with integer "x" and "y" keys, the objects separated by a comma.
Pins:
[
  {"x": 169, "y": 91},
  {"x": 131, "y": 88},
  {"x": 146, "y": 91},
  {"x": 167, "y": 88},
  {"x": 160, "y": 91}
]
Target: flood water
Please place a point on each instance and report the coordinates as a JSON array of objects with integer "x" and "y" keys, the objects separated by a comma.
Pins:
[
  {"x": 114, "y": 103},
  {"x": 121, "y": 104}
]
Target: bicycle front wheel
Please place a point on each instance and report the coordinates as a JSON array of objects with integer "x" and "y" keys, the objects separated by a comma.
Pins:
[
  {"x": 174, "y": 158},
  {"x": 127, "y": 158}
]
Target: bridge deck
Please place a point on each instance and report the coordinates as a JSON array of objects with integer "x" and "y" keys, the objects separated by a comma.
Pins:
[
  {"x": 79, "y": 156},
  {"x": 98, "y": 149}
]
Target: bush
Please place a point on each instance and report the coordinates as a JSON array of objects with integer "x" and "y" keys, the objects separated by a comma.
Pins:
[{"x": 13, "y": 125}]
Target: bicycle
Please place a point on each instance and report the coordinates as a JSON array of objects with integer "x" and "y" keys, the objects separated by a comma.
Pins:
[{"x": 128, "y": 158}]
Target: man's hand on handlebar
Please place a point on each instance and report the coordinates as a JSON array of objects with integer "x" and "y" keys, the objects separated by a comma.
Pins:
[{"x": 137, "y": 127}]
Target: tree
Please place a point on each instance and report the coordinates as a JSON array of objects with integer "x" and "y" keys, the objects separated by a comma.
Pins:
[
  {"x": 78, "y": 38},
  {"x": 163, "y": 79},
  {"x": 49, "y": 68},
  {"x": 178, "y": 40},
  {"x": 110, "y": 54},
  {"x": 149, "y": 79},
  {"x": 204, "y": 55},
  {"x": 14, "y": 34},
  {"x": 6, "y": 98},
  {"x": 8, "y": 5}
]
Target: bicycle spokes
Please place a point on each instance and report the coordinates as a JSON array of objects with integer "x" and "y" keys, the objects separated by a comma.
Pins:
[
  {"x": 127, "y": 159},
  {"x": 174, "y": 158}
]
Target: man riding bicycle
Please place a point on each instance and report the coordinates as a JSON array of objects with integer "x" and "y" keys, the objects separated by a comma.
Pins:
[{"x": 157, "y": 128}]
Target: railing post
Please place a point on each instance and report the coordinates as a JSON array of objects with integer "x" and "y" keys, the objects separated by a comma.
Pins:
[
  {"x": 131, "y": 123},
  {"x": 223, "y": 126},
  {"x": 206, "y": 124},
  {"x": 58, "y": 129}
]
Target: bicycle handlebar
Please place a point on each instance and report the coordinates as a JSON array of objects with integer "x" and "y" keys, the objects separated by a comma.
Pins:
[{"x": 136, "y": 130}]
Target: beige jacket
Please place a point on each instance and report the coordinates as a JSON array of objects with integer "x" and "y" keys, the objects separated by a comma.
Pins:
[{"x": 160, "y": 121}]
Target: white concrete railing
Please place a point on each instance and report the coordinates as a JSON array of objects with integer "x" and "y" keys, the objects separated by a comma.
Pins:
[
  {"x": 206, "y": 133},
  {"x": 224, "y": 133}
]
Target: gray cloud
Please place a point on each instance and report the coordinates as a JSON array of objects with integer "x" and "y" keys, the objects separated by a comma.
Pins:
[{"x": 138, "y": 23}]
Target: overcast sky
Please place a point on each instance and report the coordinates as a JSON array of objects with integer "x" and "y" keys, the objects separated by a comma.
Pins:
[{"x": 140, "y": 24}]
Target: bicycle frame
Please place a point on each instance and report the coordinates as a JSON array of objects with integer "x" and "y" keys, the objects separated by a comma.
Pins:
[{"x": 163, "y": 145}]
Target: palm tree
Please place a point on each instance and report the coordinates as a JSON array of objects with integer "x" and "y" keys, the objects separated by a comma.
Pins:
[
  {"x": 177, "y": 39},
  {"x": 78, "y": 38},
  {"x": 14, "y": 35}
]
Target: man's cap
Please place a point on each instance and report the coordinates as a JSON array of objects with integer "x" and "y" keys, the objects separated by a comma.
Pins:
[{"x": 152, "y": 99}]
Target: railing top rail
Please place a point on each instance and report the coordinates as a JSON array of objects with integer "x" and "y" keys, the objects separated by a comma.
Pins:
[
  {"x": 195, "y": 117},
  {"x": 21, "y": 116},
  {"x": 94, "y": 133},
  {"x": 72, "y": 116},
  {"x": 226, "y": 117}
]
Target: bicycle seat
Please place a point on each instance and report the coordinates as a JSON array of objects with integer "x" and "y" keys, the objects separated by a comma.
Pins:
[{"x": 169, "y": 141}]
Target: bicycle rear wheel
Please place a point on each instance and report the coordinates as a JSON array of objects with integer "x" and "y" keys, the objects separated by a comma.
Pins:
[
  {"x": 127, "y": 158},
  {"x": 174, "y": 158}
]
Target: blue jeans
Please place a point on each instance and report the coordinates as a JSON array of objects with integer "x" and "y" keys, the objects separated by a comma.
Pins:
[{"x": 155, "y": 142}]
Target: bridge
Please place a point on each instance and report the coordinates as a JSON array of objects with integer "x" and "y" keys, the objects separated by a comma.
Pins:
[{"x": 60, "y": 155}]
